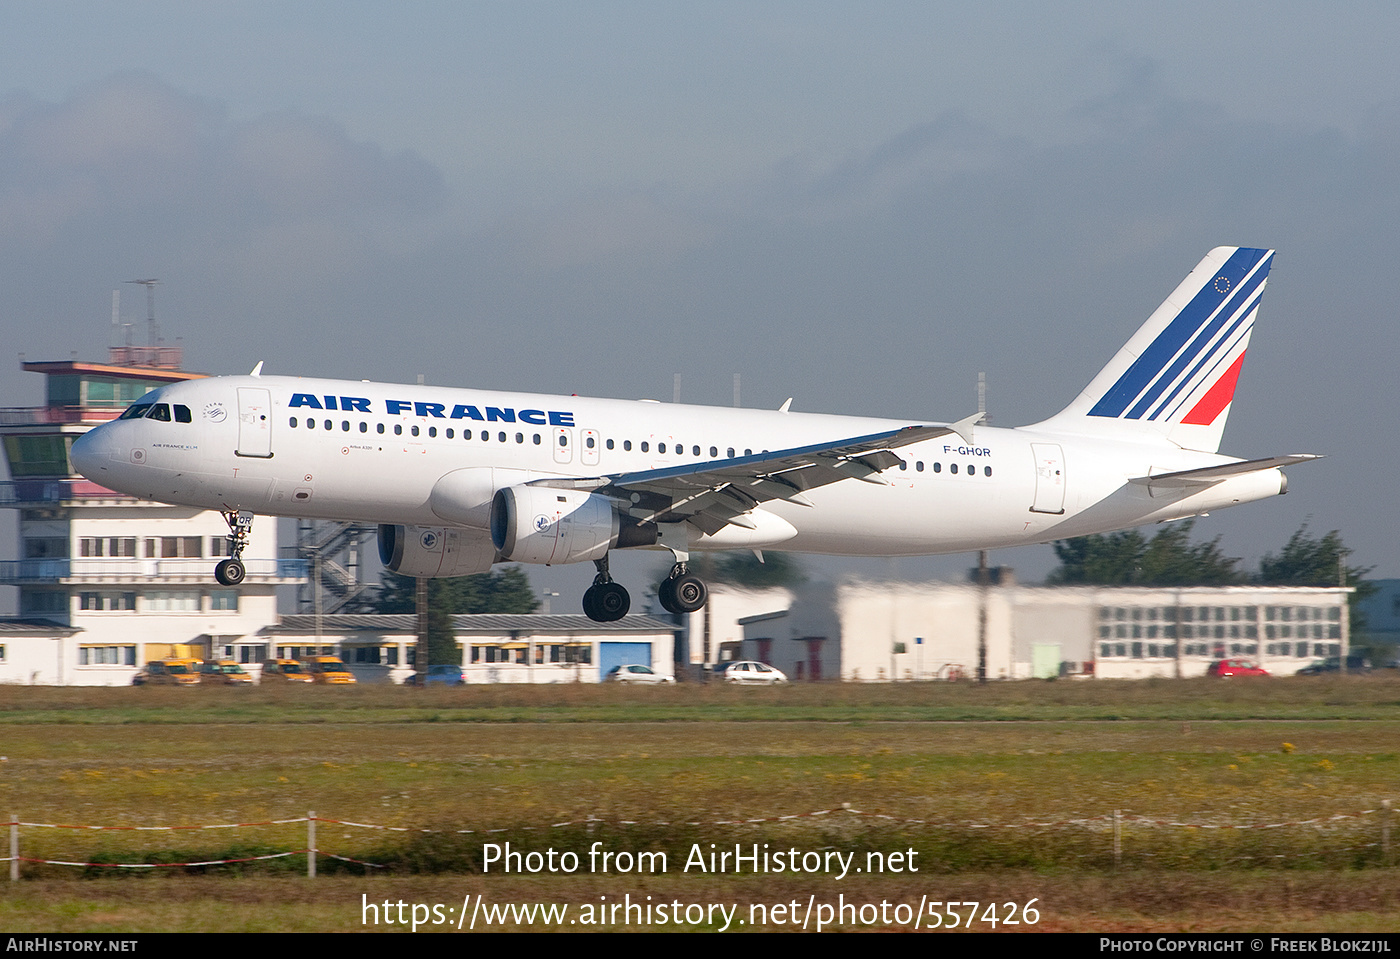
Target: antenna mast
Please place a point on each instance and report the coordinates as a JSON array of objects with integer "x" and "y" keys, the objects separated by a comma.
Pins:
[{"x": 152, "y": 331}]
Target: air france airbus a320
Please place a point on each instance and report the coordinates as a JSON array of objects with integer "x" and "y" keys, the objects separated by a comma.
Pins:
[{"x": 460, "y": 479}]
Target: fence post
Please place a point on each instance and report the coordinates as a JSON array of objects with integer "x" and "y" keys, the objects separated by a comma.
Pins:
[
  {"x": 311, "y": 844},
  {"x": 1385, "y": 832},
  {"x": 14, "y": 847},
  {"x": 1117, "y": 838}
]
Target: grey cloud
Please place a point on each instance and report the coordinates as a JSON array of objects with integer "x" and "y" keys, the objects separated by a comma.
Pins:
[{"x": 132, "y": 147}]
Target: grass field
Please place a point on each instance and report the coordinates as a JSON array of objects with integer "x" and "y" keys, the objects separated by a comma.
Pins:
[{"x": 1244, "y": 805}]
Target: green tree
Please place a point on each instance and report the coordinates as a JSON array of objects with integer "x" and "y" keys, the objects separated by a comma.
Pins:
[
  {"x": 506, "y": 590},
  {"x": 1127, "y": 558},
  {"x": 743, "y": 568},
  {"x": 1309, "y": 560}
]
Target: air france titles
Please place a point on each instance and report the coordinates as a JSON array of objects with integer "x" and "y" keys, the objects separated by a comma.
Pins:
[{"x": 459, "y": 411}]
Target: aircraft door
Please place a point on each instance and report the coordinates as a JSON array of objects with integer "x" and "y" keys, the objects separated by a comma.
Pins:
[
  {"x": 254, "y": 422},
  {"x": 588, "y": 453},
  {"x": 563, "y": 445},
  {"x": 1049, "y": 478}
]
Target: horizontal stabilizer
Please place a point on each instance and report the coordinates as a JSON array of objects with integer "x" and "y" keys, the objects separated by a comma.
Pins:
[{"x": 1214, "y": 474}]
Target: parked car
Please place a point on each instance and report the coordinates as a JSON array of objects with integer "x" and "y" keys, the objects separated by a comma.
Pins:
[
  {"x": 328, "y": 671},
  {"x": 223, "y": 672},
  {"x": 1333, "y": 664},
  {"x": 750, "y": 673},
  {"x": 636, "y": 673},
  {"x": 441, "y": 674},
  {"x": 168, "y": 672},
  {"x": 1235, "y": 667},
  {"x": 285, "y": 671}
]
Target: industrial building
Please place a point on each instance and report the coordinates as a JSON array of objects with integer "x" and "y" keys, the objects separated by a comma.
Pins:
[{"x": 863, "y": 631}]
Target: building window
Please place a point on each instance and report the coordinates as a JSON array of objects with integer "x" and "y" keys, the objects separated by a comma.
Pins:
[
  {"x": 106, "y": 655},
  {"x": 107, "y": 602},
  {"x": 46, "y": 547},
  {"x": 172, "y": 601},
  {"x": 43, "y": 601},
  {"x": 223, "y": 600},
  {"x": 37, "y": 456},
  {"x": 174, "y": 547},
  {"x": 115, "y": 546}
]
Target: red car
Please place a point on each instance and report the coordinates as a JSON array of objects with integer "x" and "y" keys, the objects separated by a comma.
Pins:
[{"x": 1235, "y": 667}]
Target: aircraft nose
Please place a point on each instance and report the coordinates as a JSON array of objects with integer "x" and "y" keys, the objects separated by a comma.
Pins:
[{"x": 91, "y": 452}]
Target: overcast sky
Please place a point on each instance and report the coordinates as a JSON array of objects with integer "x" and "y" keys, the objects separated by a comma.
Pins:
[{"x": 860, "y": 205}]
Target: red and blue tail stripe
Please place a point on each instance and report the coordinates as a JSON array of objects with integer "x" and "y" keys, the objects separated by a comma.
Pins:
[{"x": 1197, "y": 347}]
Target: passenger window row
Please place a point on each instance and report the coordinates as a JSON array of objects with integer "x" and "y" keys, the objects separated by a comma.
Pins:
[
  {"x": 644, "y": 446},
  {"x": 678, "y": 449},
  {"x": 952, "y": 468}
]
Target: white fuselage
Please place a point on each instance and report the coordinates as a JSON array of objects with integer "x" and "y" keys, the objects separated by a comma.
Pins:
[{"x": 374, "y": 452}]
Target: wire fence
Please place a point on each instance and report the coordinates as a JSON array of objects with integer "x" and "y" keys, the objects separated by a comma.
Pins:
[{"x": 1366, "y": 830}]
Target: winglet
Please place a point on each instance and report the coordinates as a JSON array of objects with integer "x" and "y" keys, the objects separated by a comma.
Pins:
[
  {"x": 257, "y": 370},
  {"x": 963, "y": 427},
  {"x": 787, "y": 405}
]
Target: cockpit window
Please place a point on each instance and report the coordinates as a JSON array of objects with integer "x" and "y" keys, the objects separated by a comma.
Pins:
[
  {"x": 135, "y": 411},
  {"x": 182, "y": 414},
  {"x": 161, "y": 411}
]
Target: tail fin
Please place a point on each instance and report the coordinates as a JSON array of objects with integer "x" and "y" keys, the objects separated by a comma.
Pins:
[{"x": 1175, "y": 378}]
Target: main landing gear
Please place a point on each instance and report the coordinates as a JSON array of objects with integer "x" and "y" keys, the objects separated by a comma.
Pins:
[
  {"x": 682, "y": 592},
  {"x": 230, "y": 572},
  {"x": 607, "y": 602}
]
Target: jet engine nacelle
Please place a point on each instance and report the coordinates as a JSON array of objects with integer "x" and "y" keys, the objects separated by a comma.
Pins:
[
  {"x": 463, "y": 497},
  {"x": 435, "y": 551},
  {"x": 538, "y": 524}
]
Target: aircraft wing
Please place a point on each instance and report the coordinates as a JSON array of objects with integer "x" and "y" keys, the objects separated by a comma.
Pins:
[
  {"x": 714, "y": 494},
  {"x": 1214, "y": 474}
]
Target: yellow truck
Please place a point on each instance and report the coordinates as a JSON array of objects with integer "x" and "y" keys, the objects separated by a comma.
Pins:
[
  {"x": 223, "y": 672},
  {"x": 328, "y": 670},
  {"x": 280, "y": 671},
  {"x": 176, "y": 671}
]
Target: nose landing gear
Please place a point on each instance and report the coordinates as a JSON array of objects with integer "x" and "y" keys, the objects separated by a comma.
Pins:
[{"x": 230, "y": 572}]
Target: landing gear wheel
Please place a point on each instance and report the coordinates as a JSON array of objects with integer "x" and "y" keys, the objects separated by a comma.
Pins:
[
  {"x": 690, "y": 592},
  {"x": 682, "y": 593},
  {"x": 666, "y": 595},
  {"x": 606, "y": 602},
  {"x": 230, "y": 572}
]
